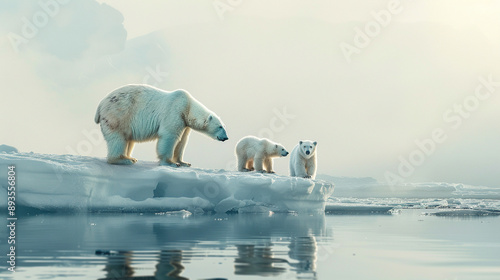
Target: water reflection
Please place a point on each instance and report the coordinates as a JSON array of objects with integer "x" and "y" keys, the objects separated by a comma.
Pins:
[
  {"x": 260, "y": 260},
  {"x": 118, "y": 265},
  {"x": 124, "y": 245},
  {"x": 252, "y": 259},
  {"x": 304, "y": 250},
  {"x": 169, "y": 265},
  {"x": 256, "y": 260}
]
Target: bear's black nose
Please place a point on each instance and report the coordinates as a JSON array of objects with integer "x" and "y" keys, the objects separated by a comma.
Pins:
[{"x": 307, "y": 152}]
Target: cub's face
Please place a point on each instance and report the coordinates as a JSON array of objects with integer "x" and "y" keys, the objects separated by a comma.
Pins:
[
  {"x": 280, "y": 150},
  {"x": 307, "y": 148},
  {"x": 216, "y": 129}
]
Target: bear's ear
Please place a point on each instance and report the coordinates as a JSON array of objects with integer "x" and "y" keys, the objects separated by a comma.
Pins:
[
  {"x": 315, "y": 143},
  {"x": 300, "y": 142}
]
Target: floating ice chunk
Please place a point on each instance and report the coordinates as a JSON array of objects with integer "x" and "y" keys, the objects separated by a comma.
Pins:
[
  {"x": 81, "y": 184},
  {"x": 466, "y": 213},
  {"x": 181, "y": 213}
]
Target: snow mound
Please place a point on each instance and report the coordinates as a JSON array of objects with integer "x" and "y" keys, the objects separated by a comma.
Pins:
[
  {"x": 86, "y": 184},
  {"x": 7, "y": 149}
]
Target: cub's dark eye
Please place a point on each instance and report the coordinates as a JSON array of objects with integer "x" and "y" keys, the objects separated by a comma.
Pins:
[
  {"x": 282, "y": 149},
  {"x": 310, "y": 147},
  {"x": 220, "y": 126}
]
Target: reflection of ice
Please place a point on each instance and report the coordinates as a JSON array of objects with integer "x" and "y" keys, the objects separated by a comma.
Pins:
[{"x": 257, "y": 260}]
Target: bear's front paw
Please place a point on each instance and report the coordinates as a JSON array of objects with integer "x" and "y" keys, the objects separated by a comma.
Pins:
[
  {"x": 185, "y": 164},
  {"x": 307, "y": 176},
  {"x": 133, "y": 159},
  {"x": 171, "y": 164},
  {"x": 271, "y": 172}
]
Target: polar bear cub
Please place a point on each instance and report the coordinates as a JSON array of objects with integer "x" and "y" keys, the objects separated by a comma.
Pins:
[
  {"x": 257, "y": 154},
  {"x": 303, "y": 160}
]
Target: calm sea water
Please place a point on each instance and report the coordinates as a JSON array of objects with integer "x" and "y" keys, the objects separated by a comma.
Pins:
[{"x": 406, "y": 245}]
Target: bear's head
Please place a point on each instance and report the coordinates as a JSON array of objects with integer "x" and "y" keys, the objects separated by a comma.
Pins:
[
  {"x": 215, "y": 128},
  {"x": 307, "y": 148},
  {"x": 279, "y": 150}
]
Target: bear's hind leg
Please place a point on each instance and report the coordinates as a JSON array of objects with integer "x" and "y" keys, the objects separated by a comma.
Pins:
[
  {"x": 116, "y": 149},
  {"x": 130, "y": 148}
]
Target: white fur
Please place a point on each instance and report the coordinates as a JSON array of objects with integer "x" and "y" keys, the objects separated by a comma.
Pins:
[
  {"x": 301, "y": 163},
  {"x": 138, "y": 113},
  {"x": 260, "y": 152}
]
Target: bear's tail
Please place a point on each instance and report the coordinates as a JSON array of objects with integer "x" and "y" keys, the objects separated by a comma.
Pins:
[{"x": 97, "y": 117}]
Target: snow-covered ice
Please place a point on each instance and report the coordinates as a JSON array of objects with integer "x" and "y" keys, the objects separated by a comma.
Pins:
[
  {"x": 367, "y": 196},
  {"x": 86, "y": 184},
  {"x": 82, "y": 184}
]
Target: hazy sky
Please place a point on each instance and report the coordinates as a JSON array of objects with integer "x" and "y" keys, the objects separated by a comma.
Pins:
[{"x": 389, "y": 89}]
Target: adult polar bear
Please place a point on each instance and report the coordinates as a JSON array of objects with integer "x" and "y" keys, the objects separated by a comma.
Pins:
[{"x": 138, "y": 113}]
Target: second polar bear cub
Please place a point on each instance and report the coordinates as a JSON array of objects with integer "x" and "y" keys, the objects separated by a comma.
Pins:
[
  {"x": 257, "y": 154},
  {"x": 303, "y": 160}
]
